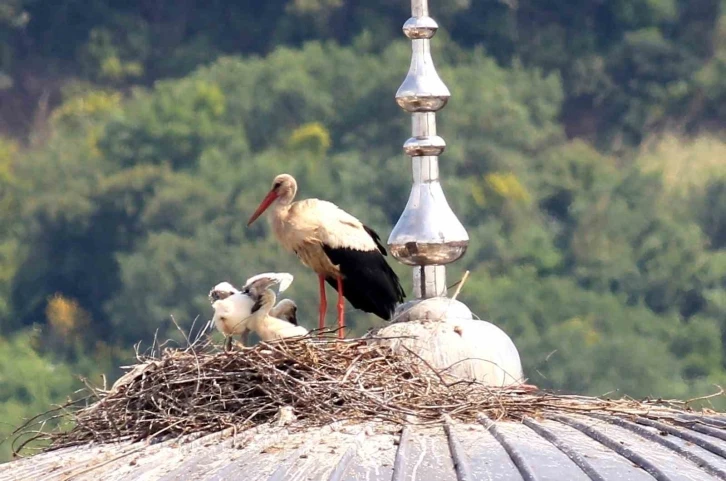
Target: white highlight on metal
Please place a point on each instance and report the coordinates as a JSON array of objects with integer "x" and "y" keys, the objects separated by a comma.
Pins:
[{"x": 428, "y": 235}]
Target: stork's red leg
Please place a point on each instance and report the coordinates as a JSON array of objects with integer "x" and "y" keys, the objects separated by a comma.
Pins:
[
  {"x": 323, "y": 303},
  {"x": 341, "y": 309}
]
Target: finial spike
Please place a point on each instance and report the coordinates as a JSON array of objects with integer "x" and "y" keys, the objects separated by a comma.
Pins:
[{"x": 428, "y": 235}]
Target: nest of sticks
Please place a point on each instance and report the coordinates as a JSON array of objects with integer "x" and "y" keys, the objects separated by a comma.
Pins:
[{"x": 315, "y": 381}]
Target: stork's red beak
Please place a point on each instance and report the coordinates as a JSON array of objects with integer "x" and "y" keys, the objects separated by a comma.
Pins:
[{"x": 269, "y": 199}]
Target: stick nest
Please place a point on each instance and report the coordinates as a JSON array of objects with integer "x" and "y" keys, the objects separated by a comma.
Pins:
[{"x": 202, "y": 390}]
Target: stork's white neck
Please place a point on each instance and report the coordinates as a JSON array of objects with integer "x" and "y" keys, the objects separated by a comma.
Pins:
[
  {"x": 258, "y": 317},
  {"x": 286, "y": 196},
  {"x": 278, "y": 218}
]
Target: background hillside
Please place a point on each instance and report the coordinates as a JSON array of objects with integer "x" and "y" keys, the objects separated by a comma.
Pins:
[{"x": 586, "y": 157}]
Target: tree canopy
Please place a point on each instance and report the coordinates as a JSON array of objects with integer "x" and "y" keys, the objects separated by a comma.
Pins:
[{"x": 584, "y": 155}]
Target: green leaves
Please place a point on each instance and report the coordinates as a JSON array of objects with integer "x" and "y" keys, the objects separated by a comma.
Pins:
[
  {"x": 173, "y": 125},
  {"x": 138, "y": 225},
  {"x": 608, "y": 270}
]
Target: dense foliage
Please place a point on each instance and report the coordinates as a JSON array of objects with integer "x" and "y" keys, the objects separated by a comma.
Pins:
[{"x": 584, "y": 158}]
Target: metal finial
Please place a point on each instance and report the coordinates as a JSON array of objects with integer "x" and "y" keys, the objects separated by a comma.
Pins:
[
  {"x": 440, "y": 330},
  {"x": 428, "y": 235}
]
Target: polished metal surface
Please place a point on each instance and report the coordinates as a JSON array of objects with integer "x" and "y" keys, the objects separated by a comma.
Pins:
[
  {"x": 422, "y": 90},
  {"x": 428, "y": 234},
  {"x": 417, "y": 28},
  {"x": 425, "y": 142},
  {"x": 425, "y": 145},
  {"x": 429, "y": 282}
]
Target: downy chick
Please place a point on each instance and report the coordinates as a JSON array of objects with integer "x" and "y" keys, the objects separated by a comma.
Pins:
[
  {"x": 233, "y": 307},
  {"x": 265, "y": 323}
]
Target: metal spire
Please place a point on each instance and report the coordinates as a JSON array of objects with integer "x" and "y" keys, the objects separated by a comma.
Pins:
[{"x": 428, "y": 235}]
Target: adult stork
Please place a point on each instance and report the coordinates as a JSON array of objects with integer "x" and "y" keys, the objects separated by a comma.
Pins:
[
  {"x": 233, "y": 307},
  {"x": 338, "y": 247}
]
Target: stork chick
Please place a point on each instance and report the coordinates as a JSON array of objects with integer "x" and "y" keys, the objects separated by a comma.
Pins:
[
  {"x": 266, "y": 325},
  {"x": 233, "y": 307},
  {"x": 338, "y": 247},
  {"x": 285, "y": 309}
]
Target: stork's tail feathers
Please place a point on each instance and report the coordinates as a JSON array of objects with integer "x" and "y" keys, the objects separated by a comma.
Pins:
[
  {"x": 376, "y": 238},
  {"x": 369, "y": 283}
]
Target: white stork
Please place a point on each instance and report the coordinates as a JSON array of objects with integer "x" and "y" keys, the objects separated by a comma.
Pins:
[
  {"x": 267, "y": 325},
  {"x": 338, "y": 247},
  {"x": 233, "y": 307}
]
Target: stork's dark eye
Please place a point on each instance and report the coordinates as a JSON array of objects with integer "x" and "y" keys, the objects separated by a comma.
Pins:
[{"x": 277, "y": 185}]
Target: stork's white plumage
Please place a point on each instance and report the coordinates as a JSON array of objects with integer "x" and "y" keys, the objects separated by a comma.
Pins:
[
  {"x": 233, "y": 307},
  {"x": 267, "y": 326},
  {"x": 282, "y": 279},
  {"x": 337, "y": 246}
]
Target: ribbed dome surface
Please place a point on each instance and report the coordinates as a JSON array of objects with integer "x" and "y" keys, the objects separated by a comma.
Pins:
[{"x": 565, "y": 448}]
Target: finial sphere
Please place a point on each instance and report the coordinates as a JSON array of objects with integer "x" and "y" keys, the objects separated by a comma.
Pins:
[
  {"x": 420, "y": 27},
  {"x": 425, "y": 145}
]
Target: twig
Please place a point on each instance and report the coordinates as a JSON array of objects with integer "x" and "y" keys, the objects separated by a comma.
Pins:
[
  {"x": 461, "y": 284},
  {"x": 703, "y": 398}
]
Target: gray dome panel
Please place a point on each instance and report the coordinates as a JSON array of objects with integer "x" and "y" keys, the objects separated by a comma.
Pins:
[{"x": 568, "y": 447}]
